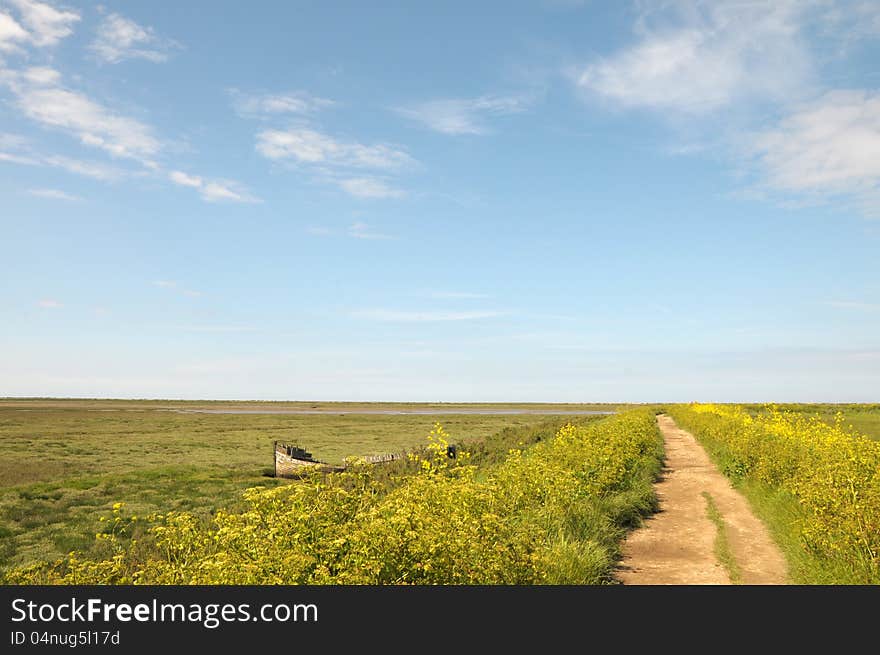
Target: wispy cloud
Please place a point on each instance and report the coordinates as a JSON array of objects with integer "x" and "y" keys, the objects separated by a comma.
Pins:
[
  {"x": 17, "y": 150},
  {"x": 40, "y": 94},
  {"x": 54, "y": 194},
  {"x": 852, "y": 304},
  {"x": 826, "y": 147},
  {"x": 11, "y": 141},
  {"x": 368, "y": 187},
  {"x": 457, "y": 295},
  {"x": 395, "y": 316},
  {"x": 695, "y": 59},
  {"x": 264, "y": 105},
  {"x": 213, "y": 190},
  {"x": 13, "y": 158},
  {"x": 851, "y": 21},
  {"x": 363, "y": 231},
  {"x": 41, "y": 75},
  {"x": 462, "y": 115},
  {"x": 218, "y": 329},
  {"x": 359, "y": 169},
  {"x": 172, "y": 285},
  {"x": 119, "y": 38},
  {"x": 41, "y": 97},
  {"x": 225, "y": 190},
  {"x": 11, "y": 33},
  {"x": 92, "y": 169},
  {"x": 49, "y": 303},
  {"x": 356, "y": 230},
  {"x": 308, "y": 146},
  {"x": 699, "y": 57},
  {"x": 46, "y": 25},
  {"x": 337, "y": 161},
  {"x": 184, "y": 179}
]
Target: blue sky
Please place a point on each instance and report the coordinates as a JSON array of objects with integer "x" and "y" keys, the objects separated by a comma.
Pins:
[{"x": 520, "y": 201}]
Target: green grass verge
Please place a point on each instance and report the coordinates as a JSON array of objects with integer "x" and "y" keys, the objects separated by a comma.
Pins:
[
  {"x": 722, "y": 545},
  {"x": 782, "y": 514}
]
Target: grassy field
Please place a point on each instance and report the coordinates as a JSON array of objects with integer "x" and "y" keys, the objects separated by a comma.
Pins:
[
  {"x": 863, "y": 418},
  {"x": 63, "y": 463},
  {"x": 553, "y": 510},
  {"x": 298, "y": 405}
]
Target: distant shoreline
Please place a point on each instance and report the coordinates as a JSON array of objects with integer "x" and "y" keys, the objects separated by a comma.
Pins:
[
  {"x": 310, "y": 407},
  {"x": 401, "y": 412}
]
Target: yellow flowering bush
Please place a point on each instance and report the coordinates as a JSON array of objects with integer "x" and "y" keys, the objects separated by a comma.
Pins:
[
  {"x": 832, "y": 472},
  {"x": 551, "y": 513}
]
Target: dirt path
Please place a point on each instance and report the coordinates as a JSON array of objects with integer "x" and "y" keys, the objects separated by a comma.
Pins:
[{"x": 678, "y": 544}]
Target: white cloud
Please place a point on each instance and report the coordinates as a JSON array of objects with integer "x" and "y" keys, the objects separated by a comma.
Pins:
[
  {"x": 368, "y": 187},
  {"x": 219, "y": 328},
  {"x": 212, "y": 190},
  {"x": 462, "y": 115},
  {"x": 48, "y": 303},
  {"x": 13, "y": 141},
  {"x": 16, "y": 150},
  {"x": 852, "y": 304},
  {"x": 41, "y": 98},
  {"x": 13, "y": 158},
  {"x": 47, "y": 24},
  {"x": 363, "y": 231},
  {"x": 695, "y": 59},
  {"x": 92, "y": 169},
  {"x": 41, "y": 75},
  {"x": 853, "y": 20},
  {"x": 120, "y": 38},
  {"x": 172, "y": 285},
  {"x": 273, "y": 104},
  {"x": 829, "y": 146},
  {"x": 341, "y": 162},
  {"x": 698, "y": 57},
  {"x": 183, "y": 179},
  {"x": 39, "y": 93},
  {"x": 54, "y": 194},
  {"x": 218, "y": 191},
  {"x": 309, "y": 146},
  {"x": 457, "y": 295},
  {"x": 356, "y": 230},
  {"x": 334, "y": 160},
  {"x": 11, "y": 33},
  {"x": 422, "y": 317}
]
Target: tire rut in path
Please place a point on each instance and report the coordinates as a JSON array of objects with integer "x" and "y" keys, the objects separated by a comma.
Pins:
[{"x": 677, "y": 545}]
